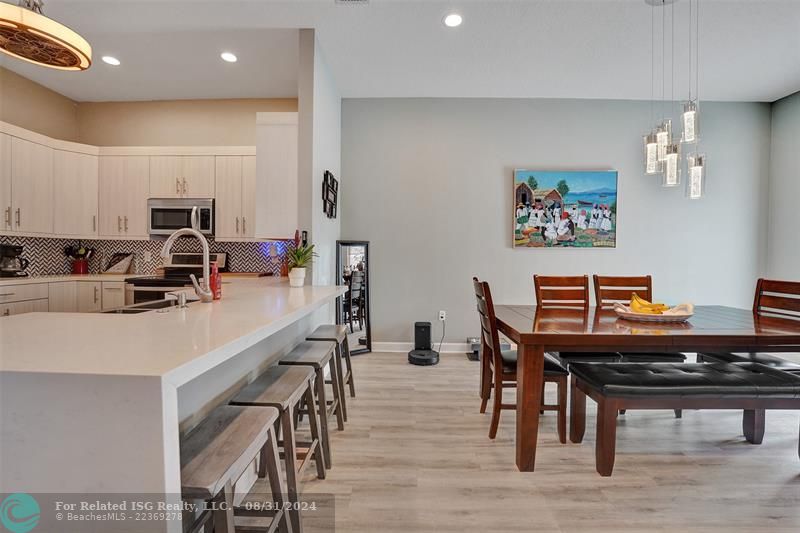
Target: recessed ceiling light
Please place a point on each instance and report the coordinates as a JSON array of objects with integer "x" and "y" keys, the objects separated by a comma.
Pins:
[
  {"x": 229, "y": 57},
  {"x": 452, "y": 20},
  {"x": 111, "y": 60}
]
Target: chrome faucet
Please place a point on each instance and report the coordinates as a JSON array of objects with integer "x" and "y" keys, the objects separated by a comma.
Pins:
[{"x": 203, "y": 291}]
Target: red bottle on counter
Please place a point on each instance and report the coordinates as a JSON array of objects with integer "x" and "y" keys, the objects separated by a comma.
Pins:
[{"x": 215, "y": 283}]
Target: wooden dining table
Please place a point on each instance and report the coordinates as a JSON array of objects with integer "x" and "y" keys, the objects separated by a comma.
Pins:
[{"x": 536, "y": 331}]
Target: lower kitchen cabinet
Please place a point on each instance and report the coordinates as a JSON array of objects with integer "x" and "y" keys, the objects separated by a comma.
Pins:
[
  {"x": 63, "y": 297},
  {"x": 90, "y": 296},
  {"x": 113, "y": 294},
  {"x": 28, "y": 306}
]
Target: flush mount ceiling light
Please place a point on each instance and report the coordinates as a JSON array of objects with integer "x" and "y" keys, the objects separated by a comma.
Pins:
[
  {"x": 453, "y": 20},
  {"x": 111, "y": 60},
  {"x": 229, "y": 57},
  {"x": 25, "y": 33}
]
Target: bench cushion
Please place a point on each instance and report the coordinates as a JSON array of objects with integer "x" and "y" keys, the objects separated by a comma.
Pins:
[
  {"x": 551, "y": 366},
  {"x": 719, "y": 380},
  {"x": 763, "y": 358}
]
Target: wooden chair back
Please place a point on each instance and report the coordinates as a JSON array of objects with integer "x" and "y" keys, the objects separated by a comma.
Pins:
[
  {"x": 611, "y": 289},
  {"x": 777, "y": 299},
  {"x": 567, "y": 292},
  {"x": 490, "y": 338}
]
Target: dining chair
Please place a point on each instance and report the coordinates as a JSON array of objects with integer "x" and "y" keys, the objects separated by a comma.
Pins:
[
  {"x": 773, "y": 299},
  {"x": 499, "y": 368},
  {"x": 609, "y": 290},
  {"x": 569, "y": 292},
  {"x": 352, "y": 302}
]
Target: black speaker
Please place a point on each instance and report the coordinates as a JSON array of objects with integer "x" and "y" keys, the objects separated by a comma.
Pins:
[{"x": 422, "y": 354}]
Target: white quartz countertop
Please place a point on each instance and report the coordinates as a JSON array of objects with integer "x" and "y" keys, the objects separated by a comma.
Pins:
[
  {"x": 68, "y": 277},
  {"x": 177, "y": 345}
]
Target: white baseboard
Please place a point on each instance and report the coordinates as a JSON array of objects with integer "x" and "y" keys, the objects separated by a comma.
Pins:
[{"x": 405, "y": 347}]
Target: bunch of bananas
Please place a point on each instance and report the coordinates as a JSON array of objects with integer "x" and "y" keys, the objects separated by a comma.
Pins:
[{"x": 640, "y": 305}]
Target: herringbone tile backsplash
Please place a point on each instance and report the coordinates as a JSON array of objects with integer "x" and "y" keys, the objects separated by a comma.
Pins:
[{"x": 47, "y": 255}]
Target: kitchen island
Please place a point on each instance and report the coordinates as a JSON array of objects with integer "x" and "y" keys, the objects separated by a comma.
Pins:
[{"x": 96, "y": 403}]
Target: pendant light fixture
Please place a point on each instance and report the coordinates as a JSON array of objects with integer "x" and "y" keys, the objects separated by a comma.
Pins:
[
  {"x": 25, "y": 33},
  {"x": 696, "y": 181},
  {"x": 652, "y": 164},
  {"x": 672, "y": 166},
  {"x": 690, "y": 116}
]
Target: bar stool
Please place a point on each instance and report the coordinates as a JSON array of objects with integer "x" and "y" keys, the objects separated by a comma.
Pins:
[
  {"x": 338, "y": 333},
  {"x": 284, "y": 387},
  {"x": 316, "y": 355},
  {"x": 215, "y": 455}
]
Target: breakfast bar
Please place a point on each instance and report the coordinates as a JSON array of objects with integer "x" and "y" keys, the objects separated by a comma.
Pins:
[{"x": 96, "y": 403}]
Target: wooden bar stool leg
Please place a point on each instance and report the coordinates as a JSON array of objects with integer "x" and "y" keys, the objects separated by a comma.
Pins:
[
  {"x": 322, "y": 402},
  {"x": 338, "y": 395},
  {"x": 349, "y": 365},
  {"x": 337, "y": 357},
  {"x": 290, "y": 461},
  {"x": 320, "y": 460},
  {"x": 273, "y": 469},
  {"x": 223, "y": 510}
]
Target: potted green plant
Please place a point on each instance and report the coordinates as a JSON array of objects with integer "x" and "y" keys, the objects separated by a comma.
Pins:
[{"x": 299, "y": 258}]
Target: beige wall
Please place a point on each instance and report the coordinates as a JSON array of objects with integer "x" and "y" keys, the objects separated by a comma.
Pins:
[
  {"x": 176, "y": 122},
  {"x": 162, "y": 123},
  {"x": 31, "y": 106}
]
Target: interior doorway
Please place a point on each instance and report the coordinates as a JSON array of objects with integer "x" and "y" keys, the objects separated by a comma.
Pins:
[{"x": 352, "y": 309}]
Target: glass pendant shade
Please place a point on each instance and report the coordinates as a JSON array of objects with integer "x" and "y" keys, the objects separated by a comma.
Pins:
[
  {"x": 689, "y": 119},
  {"x": 664, "y": 138},
  {"x": 672, "y": 168},
  {"x": 696, "y": 182},
  {"x": 651, "y": 163}
]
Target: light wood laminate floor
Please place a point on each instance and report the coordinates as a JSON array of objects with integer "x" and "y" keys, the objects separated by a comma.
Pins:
[{"x": 415, "y": 457}]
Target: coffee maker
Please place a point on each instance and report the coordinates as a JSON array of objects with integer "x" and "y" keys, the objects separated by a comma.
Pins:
[{"x": 11, "y": 264}]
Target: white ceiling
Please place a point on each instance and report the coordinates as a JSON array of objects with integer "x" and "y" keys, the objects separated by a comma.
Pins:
[{"x": 750, "y": 49}]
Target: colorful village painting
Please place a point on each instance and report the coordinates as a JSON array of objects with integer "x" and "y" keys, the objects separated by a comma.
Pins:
[{"x": 565, "y": 209}]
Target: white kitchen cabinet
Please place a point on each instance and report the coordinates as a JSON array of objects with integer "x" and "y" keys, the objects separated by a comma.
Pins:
[
  {"x": 113, "y": 294},
  {"x": 31, "y": 186},
  {"x": 75, "y": 193},
  {"x": 124, "y": 184},
  {"x": 5, "y": 182},
  {"x": 235, "y": 205},
  {"x": 90, "y": 296},
  {"x": 276, "y": 143},
  {"x": 63, "y": 297},
  {"x": 178, "y": 176},
  {"x": 28, "y": 306}
]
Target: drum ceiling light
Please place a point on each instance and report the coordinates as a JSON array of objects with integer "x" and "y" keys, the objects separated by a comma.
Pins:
[{"x": 25, "y": 33}]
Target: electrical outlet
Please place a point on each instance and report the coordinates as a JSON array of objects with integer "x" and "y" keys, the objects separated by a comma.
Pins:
[{"x": 442, "y": 316}]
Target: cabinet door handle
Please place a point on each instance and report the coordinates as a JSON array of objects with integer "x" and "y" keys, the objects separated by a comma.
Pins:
[
  {"x": 244, "y": 226},
  {"x": 185, "y": 187},
  {"x": 8, "y": 216},
  {"x": 95, "y": 294},
  {"x": 19, "y": 217},
  {"x": 177, "y": 185},
  {"x": 126, "y": 224},
  {"x": 119, "y": 224},
  {"x": 94, "y": 222},
  {"x": 237, "y": 224},
  {"x": 112, "y": 288}
]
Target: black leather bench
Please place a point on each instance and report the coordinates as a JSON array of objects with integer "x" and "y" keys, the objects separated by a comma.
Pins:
[
  {"x": 772, "y": 361},
  {"x": 751, "y": 387}
]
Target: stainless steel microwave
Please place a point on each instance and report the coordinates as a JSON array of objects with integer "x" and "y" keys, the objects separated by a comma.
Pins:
[{"x": 165, "y": 215}]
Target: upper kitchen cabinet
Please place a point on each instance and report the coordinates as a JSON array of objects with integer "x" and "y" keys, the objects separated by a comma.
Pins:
[
  {"x": 235, "y": 206},
  {"x": 123, "y": 192},
  {"x": 31, "y": 186},
  {"x": 180, "y": 176},
  {"x": 276, "y": 145},
  {"x": 75, "y": 191},
  {"x": 5, "y": 181}
]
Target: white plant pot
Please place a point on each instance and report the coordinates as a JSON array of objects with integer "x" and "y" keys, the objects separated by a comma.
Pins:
[{"x": 297, "y": 277}]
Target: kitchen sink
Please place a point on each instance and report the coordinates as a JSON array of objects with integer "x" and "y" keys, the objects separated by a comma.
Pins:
[{"x": 146, "y": 307}]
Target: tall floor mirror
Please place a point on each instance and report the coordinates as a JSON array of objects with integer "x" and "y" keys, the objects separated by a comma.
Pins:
[{"x": 352, "y": 309}]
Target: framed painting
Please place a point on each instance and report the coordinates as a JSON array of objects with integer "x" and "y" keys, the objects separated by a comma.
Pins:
[{"x": 565, "y": 209}]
